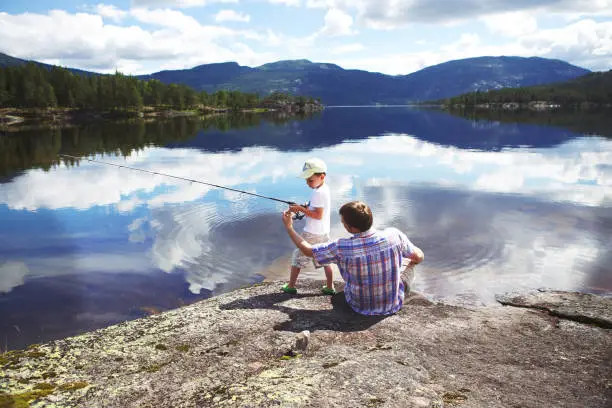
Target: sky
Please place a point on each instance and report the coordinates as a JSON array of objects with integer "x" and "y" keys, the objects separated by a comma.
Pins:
[{"x": 395, "y": 37}]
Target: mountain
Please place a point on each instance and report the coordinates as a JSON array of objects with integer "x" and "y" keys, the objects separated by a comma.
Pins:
[
  {"x": 7, "y": 60},
  {"x": 329, "y": 82},
  {"x": 338, "y": 86},
  {"x": 202, "y": 77},
  {"x": 335, "y": 85},
  {"x": 487, "y": 73}
]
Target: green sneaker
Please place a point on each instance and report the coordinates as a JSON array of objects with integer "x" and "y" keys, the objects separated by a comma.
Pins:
[
  {"x": 287, "y": 289},
  {"x": 328, "y": 291}
]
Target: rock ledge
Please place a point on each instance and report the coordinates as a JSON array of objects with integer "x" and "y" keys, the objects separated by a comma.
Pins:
[{"x": 257, "y": 347}]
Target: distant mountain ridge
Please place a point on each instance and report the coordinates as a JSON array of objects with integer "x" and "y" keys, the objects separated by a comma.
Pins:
[
  {"x": 201, "y": 77},
  {"x": 6, "y": 60},
  {"x": 338, "y": 86},
  {"x": 335, "y": 85},
  {"x": 487, "y": 73}
]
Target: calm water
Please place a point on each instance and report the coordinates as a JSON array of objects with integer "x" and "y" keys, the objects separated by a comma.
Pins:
[{"x": 495, "y": 206}]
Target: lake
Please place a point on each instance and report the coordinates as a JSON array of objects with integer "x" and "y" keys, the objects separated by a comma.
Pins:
[{"x": 495, "y": 205}]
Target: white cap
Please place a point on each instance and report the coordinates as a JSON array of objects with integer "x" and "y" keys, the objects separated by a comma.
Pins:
[{"x": 313, "y": 166}]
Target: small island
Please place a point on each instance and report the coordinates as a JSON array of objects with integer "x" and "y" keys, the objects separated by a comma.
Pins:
[{"x": 33, "y": 93}]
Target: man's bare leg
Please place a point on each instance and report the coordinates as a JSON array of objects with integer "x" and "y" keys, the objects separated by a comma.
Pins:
[
  {"x": 410, "y": 296},
  {"x": 407, "y": 277}
]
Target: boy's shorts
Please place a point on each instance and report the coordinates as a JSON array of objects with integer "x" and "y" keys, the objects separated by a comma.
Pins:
[{"x": 302, "y": 261}]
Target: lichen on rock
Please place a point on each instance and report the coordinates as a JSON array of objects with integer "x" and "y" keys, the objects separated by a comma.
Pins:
[{"x": 248, "y": 348}]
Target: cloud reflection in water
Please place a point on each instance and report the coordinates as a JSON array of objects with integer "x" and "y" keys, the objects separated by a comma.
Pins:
[{"x": 220, "y": 238}]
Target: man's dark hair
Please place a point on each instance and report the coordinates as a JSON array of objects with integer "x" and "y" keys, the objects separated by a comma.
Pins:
[{"x": 357, "y": 214}]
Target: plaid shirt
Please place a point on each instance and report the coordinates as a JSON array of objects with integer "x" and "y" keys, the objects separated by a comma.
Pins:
[{"x": 370, "y": 264}]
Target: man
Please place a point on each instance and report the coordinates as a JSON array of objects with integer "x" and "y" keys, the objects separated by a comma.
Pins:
[{"x": 370, "y": 262}]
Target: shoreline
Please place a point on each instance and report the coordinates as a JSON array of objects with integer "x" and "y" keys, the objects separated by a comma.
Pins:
[
  {"x": 279, "y": 270},
  {"x": 534, "y": 106},
  {"x": 249, "y": 348},
  {"x": 16, "y": 118}
]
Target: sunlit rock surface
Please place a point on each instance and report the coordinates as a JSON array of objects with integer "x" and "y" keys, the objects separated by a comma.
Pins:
[{"x": 247, "y": 349}]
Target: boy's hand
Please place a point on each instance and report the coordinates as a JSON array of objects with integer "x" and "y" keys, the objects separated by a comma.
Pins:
[
  {"x": 288, "y": 219},
  {"x": 297, "y": 208}
]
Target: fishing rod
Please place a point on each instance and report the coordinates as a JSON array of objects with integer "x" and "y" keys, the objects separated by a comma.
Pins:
[{"x": 297, "y": 216}]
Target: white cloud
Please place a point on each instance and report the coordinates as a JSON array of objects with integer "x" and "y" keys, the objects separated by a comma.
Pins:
[
  {"x": 386, "y": 14},
  {"x": 287, "y": 47},
  {"x": 392, "y": 64},
  {"x": 272, "y": 39},
  {"x": 166, "y": 18},
  {"x": 337, "y": 23},
  {"x": 292, "y": 3},
  {"x": 574, "y": 172},
  {"x": 177, "y": 3},
  {"x": 231, "y": 15},
  {"x": 175, "y": 37},
  {"x": 143, "y": 40},
  {"x": 318, "y": 4},
  {"x": 110, "y": 11},
  {"x": 107, "y": 185},
  {"x": 184, "y": 237},
  {"x": 585, "y": 43},
  {"x": 12, "y": 274},
  {"x": 511, "y": 24},
  {"x": 558, "y": 173},
  {"x": 500, "y": 181}
]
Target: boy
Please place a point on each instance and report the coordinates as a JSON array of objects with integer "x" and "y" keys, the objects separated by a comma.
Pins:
[{"x": 316, "y": 230}]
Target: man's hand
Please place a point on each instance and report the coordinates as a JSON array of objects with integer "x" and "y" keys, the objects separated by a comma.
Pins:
[
  {"x": 299, "y": 242},
  {"x": 288, "y": 218},
  {"x": 417, "y": 256},
  {"x": 316, "y": 213}
]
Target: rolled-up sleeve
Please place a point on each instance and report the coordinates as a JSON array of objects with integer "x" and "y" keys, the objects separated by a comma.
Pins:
[
  {"x": 326, "y": 253},
  {"x": 406, "y": 245}
]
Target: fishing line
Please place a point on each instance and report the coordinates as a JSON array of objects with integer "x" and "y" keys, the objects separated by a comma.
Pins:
[{"x": 298, "y": 216}]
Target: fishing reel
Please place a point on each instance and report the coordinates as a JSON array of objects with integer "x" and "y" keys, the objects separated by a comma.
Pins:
[{"x": 298, "y": 215}]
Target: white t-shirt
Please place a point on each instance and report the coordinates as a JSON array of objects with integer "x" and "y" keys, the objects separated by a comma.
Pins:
[{"x": 321, "y": 198}]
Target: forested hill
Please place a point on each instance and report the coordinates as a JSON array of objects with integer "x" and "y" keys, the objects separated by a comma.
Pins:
[
  {"x": 592, "y": 89},
  {"x": 33, "y": 85},
  {"x": 7, "y": 60}
]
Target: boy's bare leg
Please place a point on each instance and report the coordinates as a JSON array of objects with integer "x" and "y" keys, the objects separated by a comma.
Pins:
[
  {"x": 295, "y": 271},
  {"x": 329, "y": 276}
]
